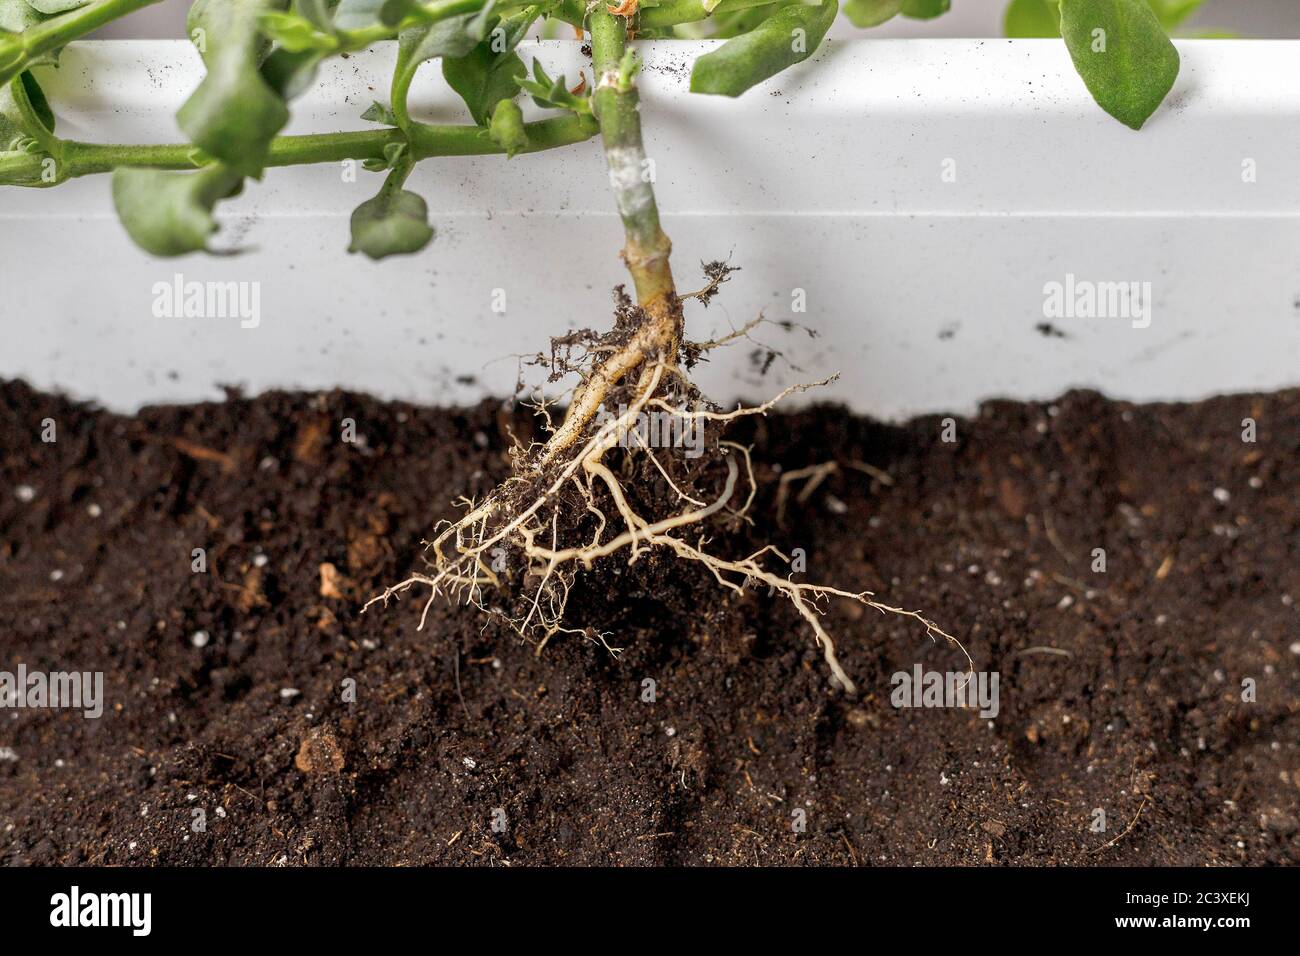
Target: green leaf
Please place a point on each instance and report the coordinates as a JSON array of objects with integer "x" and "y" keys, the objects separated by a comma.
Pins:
[
  {"x": 319, "y": 13},
  {"x": 39, "y": 105},
  {"x": 925, "y": 9},
  {"x": 363, "y": 14},
  {"x": 357, "y": 14},
  {"x": 235, "y": 113},
  {"x": 377, "y": 112},
  {"x": 552, "y": 93},
  {"x": 52, "y": 7},
  {"x": 395, "y": 222},
  {"x": 510, "y": 31},
  {"x": 27, "y": 126},
  {"x": 507, "y": 128},
  {"x": 327, "y": 26},
  {"x": 13, "y": 125},
  {"x": 24, "y": 111},
  {"x": 170, "y": 213},
  {"x": 17, "y": 15},
  {"x": 450, "y": 37},
  {"x": 454, "y": 36},
  {"x": 296, "y": 33},
  {"x": 394, "y": 12},
  {"x": 290, "y": 73},
  {"x": 1172, "y": 13},
  {"x": 1123, "y": 55},
  {"x": 304, "y": 39},
  {"x": 1033, "y": 18},
  {"x": 787, "y": 37},
  {"x": 394, "y": 153},
  {"x": 871, "y": 13},
  {"x": 483, "y": 79}
]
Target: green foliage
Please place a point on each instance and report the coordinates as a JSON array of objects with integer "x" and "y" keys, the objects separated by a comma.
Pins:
[
  {"x": 871, "y": 13},
  {"x": 170, "y": 213},
  {"x": 16, "y": 17},
  {"x": 260, "y": 54},
  {"x": 290, "y": 73},
  {"x": 491, "y": 72},
  {"x": 453, "y": 37},
  {"x": 1033, "y": 18},
  {"x": 340, "y": 26},
  {"x": 395, "y": 222},
  {"x": 393, "y": 155},
  {"x": 52, "y": 7},
  {"x": 377, "y": 112},
  {"x": 784, "y": 39},
  {"x": 547, "y": 92},
  {"x": 1042, "y": 18},
  {"x": 734, "y": 23},
  {"x": 26, "y": 120},
  {"x": 507, "y": 128},
  {"x": 360, "y": 14},
  {"x": 296, "y": 33},
  {"x": 12, "y": 56},
  {"x": 305, "y": 34},
  {"x": 235, "y": 112},
  {"x": 27, "y": 129},
  {"x": 1172, "y": 13},
  {"x": 483, "y": 79},
  {"x": 925, "y": 9},
  {"x": 1123, "y": 55},
  {"x": 32, "y": 32}
]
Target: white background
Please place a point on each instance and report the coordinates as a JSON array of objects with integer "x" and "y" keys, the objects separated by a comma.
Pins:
[{"x": 927, "y": 295}]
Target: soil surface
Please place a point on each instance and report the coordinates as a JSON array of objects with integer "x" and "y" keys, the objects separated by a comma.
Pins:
[{"x": 252, "y": 715}]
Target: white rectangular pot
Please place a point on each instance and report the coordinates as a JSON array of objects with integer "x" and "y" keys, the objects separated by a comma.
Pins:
[{"x": 924, "y": 200}]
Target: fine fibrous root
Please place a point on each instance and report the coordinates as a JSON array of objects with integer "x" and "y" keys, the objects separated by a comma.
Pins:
[
  {"x": 635, "y": 470},
  {"x": 583, "y": 497}
]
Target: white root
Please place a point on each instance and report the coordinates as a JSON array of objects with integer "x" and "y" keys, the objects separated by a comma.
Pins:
[{"x": 463, "y": 575}]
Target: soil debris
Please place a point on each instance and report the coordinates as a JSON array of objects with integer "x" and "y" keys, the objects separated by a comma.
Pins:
[{"x": 1127, "y": 698}]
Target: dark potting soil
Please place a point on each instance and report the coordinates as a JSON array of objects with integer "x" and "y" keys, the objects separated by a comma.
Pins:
[{"x": 250, "y": 718}]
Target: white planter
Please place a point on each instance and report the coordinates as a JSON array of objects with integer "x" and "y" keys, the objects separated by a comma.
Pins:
[{"x": 927, "y": 293}]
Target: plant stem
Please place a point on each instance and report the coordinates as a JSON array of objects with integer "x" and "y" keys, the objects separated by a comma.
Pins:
[
  {"x": 45, "y": 37},
  {"x": 82, "y": 159},
  {"x": 614, "y": 102},
  {"x": 656, "y": 339}
]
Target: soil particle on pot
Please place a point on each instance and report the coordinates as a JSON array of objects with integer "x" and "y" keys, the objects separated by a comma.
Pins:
[{"x": 1129, "y": 572}]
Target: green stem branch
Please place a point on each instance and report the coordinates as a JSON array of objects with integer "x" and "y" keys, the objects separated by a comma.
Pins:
[
  {"x": 82, "y": 159},
  {"x": 43, "y": 38}
]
